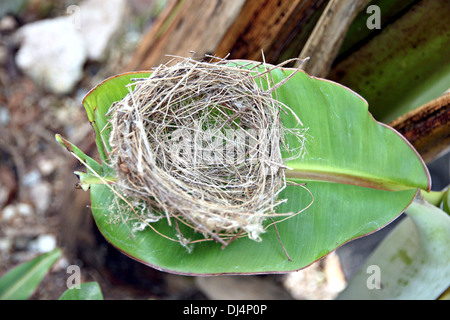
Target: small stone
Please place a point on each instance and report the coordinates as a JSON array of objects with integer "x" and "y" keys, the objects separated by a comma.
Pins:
[
  {"x": 24, "y": 209},
  {"x": 7, "y": 23},
  {"x": 4, "y": 116},
  {"x": 8, "y": 212},
  {"x": 53, "y": 51},
  {"x": 31, "y": 178},
  {"x": 5, "y": 245},
  {"x": 46, "y": 166},
  {"x": 52, "y": 54},
  {"x": 14, "y": 210},
  {"x": 100, "y": 20},
  {"x": 43, "y": 243},
  {"x": 41, "y": 196}
]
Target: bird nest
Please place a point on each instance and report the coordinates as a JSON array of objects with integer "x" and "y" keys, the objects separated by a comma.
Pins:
[{"x": 201, "y": 143}]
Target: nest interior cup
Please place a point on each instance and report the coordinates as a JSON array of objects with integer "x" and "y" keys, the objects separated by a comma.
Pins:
[{"x": 200, "y": 143}]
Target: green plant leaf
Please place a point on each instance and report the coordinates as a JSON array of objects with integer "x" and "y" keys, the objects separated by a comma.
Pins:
[
  {"x": 92, "y": 165},
  {"x": 361, "y": 173},
  {"x": 87, "y": 291},
  {"x": 404, "y": 65},
  {"x": 87, "y": 179},
  {"x": 413, "y": 260},
  {"x": 20, "y": 282},
  {"x": 359, "y": 33},
  {"x": 334, "y": 218},
  {"x": 445, "y": 204},
  {"x": 346, "y": 144},
  {"x": 98, "y": 101}
]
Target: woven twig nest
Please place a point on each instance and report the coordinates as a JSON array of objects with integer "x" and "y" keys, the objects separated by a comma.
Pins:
[{"x": 201, "y": 143}]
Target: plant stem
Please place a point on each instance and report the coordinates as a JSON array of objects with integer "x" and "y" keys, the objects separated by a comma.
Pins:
[{"x": 433, "y": 197}]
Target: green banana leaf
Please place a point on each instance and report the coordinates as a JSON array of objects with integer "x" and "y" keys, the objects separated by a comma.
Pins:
[
  {"x": 87, "y": 291},
  {"x": 361, "y": 174},
  {"x": 402, "y": 66},
  {"x": 412, "y": 261},
  {"x": 20, "y": 282},
  {"x": 358, "y": 32}
]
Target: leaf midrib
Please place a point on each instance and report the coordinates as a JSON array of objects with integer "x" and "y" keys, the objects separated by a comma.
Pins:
[{"x": 353, "y": 178}]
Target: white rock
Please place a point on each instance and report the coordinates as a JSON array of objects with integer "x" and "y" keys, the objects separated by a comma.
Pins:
[
  {"x": 4, "y": 116},
  {"x": 8, "y": 212},
  {"x": 13, "y": 210},
  {"x": 5, "y": 244},
  {"x": 24, "y": 209},
  {"x": 46, "y": 165},
  {"x": 31, "y": 178},
  {"x": 7, "y": 23},
  {"x": 43, "y": 243},
  {"x": 41, "y": 196},
  {"x": 52, "y": 53},
  {"x": 99, "y": 21}
]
